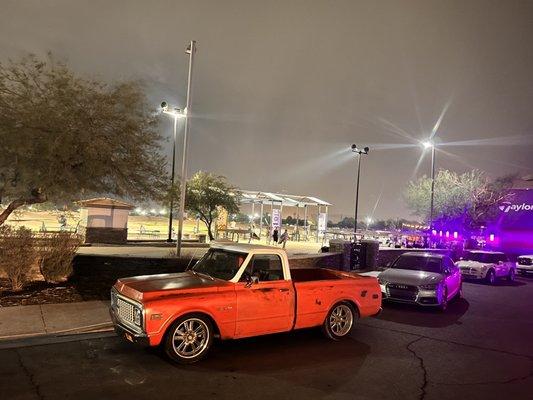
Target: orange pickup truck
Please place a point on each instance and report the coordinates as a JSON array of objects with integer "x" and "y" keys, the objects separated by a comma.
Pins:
[{"x": 236, "y": 291}]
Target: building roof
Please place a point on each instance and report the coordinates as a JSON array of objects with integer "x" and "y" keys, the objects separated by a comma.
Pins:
[
  {"x": 105, "y": 202},
  {"x": 291, "y": 200}
]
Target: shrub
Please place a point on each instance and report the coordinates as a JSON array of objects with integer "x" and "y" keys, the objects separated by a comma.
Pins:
[
  {"x": 17, "y": 255},
  {"x": 57, "y": 252}
]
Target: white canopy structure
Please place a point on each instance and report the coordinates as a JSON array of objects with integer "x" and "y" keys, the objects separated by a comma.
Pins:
[{"x": 279, "y": 201}]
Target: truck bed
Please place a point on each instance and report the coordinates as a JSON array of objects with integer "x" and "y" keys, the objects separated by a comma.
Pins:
[
  {"x": 313, "y": 274},
  {"x": 318, "y": 289}
]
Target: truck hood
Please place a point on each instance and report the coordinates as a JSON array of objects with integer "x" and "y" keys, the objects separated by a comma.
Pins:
[
  {"x": 142, "y": 288},
  {"x": 408, "y": 277}
]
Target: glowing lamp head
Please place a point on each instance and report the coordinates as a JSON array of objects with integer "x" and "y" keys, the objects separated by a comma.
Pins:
[
  {"x": 491, "y": 237},
  {"x": 427, "y": 144}
]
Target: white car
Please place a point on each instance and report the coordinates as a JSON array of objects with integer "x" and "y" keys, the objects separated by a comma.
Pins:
[
  {"x": 487, "y": 265},
  {"x": 525, "y": 264}
]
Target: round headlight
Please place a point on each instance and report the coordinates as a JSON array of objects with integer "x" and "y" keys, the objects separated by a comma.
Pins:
[{"x": 137, "y": 316}]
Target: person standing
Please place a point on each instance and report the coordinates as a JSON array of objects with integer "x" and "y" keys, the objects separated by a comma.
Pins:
[
  {"x": 284, "y": 237},
  {"x": 275, "y": 235}
]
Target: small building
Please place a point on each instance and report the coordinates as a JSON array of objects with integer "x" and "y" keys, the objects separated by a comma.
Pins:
[{"x": 105, "y": 220}]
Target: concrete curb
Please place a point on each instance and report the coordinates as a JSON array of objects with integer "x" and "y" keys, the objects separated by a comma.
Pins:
[{"x": 46, "y": 339}]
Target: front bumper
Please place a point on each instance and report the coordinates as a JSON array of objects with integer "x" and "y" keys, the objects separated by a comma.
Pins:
[
  {"x": 425, "y": 298},
  {"x": 473, "y": 274},
  {"x": 524, "y": 269},
  {"x": 127, "y": 333}
]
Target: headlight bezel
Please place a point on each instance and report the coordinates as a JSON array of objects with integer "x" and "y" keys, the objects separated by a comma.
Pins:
[{"x": 138, "y": 316}]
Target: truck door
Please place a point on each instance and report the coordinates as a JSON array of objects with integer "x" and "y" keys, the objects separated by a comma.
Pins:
[{"x": 265, "y": 300}]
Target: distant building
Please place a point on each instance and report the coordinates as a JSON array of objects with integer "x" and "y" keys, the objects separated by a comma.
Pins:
[{"x": 513, "y": 231}]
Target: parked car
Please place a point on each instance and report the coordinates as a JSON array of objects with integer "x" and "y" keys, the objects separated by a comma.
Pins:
[
  {"x": 525, "y": 264},
  {"x": 421, "y": 278},
  {"x": 487, "y": 266},
  {"x": 237, "y": 291}
]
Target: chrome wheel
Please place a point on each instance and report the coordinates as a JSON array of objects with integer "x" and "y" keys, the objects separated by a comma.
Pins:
[
  {"x": 491, "y": 278},
  {"x": 190, "y": 338},
  {"x": 341, "y": 320}
]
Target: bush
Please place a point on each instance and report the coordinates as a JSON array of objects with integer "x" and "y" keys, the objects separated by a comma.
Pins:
[
  {"x": 57, "y": 252},
  {"x": 17, "y": 255}
]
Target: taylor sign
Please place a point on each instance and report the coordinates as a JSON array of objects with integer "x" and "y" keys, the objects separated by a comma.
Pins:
[{"x": 508, "y": 207}]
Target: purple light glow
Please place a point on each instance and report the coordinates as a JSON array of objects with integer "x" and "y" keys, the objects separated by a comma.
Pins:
[
  {"x": 440, "y": 233},
  {"x": 434, "y": 232},
  {"x": 455, "y": 235},
  {"x": 447, "y": 234},
  {"x": 491, "y": 237}
]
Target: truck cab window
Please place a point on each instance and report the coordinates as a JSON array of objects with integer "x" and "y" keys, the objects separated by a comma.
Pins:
[{"x": 266, "y": 267}]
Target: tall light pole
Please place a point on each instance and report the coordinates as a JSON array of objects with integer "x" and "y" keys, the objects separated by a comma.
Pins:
[
  {"x": 360, "y": 153},
  {"x": 191, "y": 50},
  {"x": 176, "y": 113},
  {"x": 430, "y": 145}
]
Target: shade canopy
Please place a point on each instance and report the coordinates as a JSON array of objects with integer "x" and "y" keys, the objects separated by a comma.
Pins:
[{"x": 290, "y": 200}]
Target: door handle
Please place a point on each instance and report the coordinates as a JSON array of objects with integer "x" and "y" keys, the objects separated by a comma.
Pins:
[{"x": 283, "y": 290}]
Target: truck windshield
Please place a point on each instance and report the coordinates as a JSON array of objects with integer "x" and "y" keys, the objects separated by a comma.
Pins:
[
  {"x": 418, "y": 263},
  {"x": 220, "y": 264}
]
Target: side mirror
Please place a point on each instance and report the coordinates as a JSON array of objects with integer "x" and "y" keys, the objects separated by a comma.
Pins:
[{"x": 250, "y": 280}]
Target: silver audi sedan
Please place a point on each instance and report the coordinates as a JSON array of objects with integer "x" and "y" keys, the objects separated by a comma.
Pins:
[{"x": 421, "y": 278}]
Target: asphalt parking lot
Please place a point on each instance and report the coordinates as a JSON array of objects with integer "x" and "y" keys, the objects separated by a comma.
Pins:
[{"x": 481, "y": 348}]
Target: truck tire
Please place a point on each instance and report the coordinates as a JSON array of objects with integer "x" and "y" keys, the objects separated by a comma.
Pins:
[
  {"x": 189, "y": 339},
  {"x": 340, "y": 321}
]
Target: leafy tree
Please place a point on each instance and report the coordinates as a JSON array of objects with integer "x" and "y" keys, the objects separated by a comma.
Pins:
[
  {"x": 206, "y": 194},
  {"x": 347, "y": 222},
  {"x": 468, "y": 199},
  {"x": 64, "y": 136}
]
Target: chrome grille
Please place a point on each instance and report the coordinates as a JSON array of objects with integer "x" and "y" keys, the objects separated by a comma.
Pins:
[
  {"x": 125, "y": 311},
  {"x": 402, "y": 292},
  {"x": 525, "y": 261}
]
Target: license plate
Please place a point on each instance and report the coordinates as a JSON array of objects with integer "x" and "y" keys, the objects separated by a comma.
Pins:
[{"x": 128, "y": 337}]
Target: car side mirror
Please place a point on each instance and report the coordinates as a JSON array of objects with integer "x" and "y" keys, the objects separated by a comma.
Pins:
[{"x": 250, "y": 280}]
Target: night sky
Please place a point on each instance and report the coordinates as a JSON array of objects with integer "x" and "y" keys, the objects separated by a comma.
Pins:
[{"x": 283, "y": 88}]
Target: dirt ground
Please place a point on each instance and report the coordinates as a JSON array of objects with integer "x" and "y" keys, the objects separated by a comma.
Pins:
[{"x": 153, "y": 227}]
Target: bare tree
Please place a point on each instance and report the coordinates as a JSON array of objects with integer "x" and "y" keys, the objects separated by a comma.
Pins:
[{"x": 64, "y": 136}]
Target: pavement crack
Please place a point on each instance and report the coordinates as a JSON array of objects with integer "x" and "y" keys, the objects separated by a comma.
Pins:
[
  {"x": 472, "y": 346},
  {"x": 42, "y": 318},
  {"x": 30, "y": 376},
  {"x": 422, "y": 367}
]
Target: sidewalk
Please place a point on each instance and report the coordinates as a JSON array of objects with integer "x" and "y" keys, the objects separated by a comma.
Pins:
[{"x": 22, "y": 322}]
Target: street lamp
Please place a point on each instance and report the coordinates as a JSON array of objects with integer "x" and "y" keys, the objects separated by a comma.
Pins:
[
  {"x": 360, "y": 152},
  {"x": 191, "y": 50},
  {"x": 430, "y": 145},
  {"x": 176, "y": 113}
]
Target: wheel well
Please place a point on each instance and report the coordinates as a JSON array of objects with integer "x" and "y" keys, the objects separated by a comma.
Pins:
[
  {"x": 353, "y": 304},
  {"x": 213, "y": 322}
]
